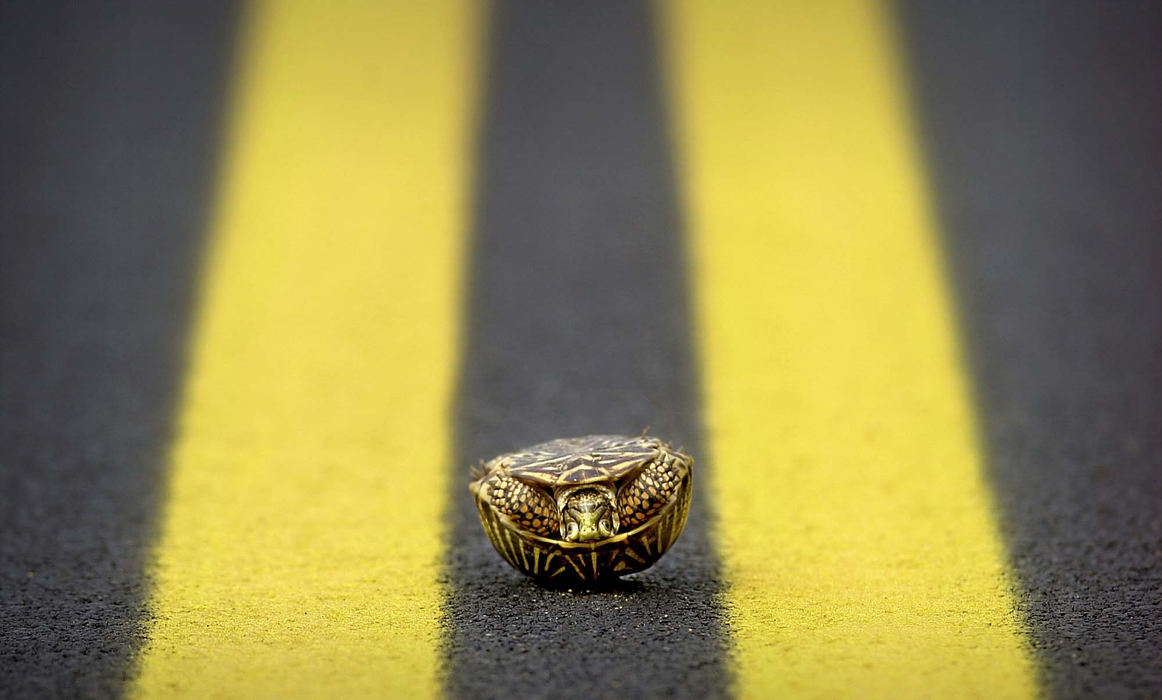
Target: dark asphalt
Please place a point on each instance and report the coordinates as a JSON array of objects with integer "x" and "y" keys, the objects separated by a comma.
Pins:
[
  {"x": 577, "y": 323},
  {"x": 1044, "y": 133},
  {"x": 108, "y": 115}
]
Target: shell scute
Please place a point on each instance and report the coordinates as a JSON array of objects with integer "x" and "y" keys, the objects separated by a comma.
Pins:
[{"x": 577, "y": 461}]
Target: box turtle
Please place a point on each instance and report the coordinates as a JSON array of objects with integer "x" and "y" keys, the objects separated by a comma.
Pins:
[{"x": 585, "y": 510}]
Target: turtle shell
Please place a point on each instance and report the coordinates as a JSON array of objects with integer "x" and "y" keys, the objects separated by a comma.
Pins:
[
  {"x": 520, "y": 496},
  {"x": 578, "y": 461}
]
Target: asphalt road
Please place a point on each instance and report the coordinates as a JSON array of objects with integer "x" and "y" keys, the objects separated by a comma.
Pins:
[
  {"x": 578, "y": 270},
  {"x": 1043, "y": 125},
  {"x": 108, "y": 130},
  {"x": 1042, "y": 128}
]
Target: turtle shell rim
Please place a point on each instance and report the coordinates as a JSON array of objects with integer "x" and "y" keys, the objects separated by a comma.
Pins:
[{"x": 616, "y": 539}]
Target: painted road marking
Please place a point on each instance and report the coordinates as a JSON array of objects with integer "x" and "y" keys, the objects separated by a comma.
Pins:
[
  {"x": 302, "y": 542},
  {"x": 855, "y": 525}
]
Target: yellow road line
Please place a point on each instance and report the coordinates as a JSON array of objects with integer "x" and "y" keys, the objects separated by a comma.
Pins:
[
  {"x": 302, "y": 542},
  {"x": 854, "y": 524}
]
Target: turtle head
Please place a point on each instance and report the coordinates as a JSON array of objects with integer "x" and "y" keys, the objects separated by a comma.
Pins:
[{"x": 588, "y": 514}]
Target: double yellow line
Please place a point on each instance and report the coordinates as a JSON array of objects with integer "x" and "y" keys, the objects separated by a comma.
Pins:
[
  {"x": 854, "y": 526},
  {"x": 301, "y": 545},
  {"x": 303, "y": 534}
]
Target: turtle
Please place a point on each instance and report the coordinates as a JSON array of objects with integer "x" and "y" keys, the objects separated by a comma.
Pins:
[{"x": 585, "y": 510}]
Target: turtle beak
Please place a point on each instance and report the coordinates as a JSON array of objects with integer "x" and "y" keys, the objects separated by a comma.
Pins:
[
  {"x": 585, "y": 529},
  {"x": 588, "y": 517}
]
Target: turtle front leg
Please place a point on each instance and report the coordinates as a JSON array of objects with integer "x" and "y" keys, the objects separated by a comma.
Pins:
[
  {"x": 530, "y": 508},
  {"x": 653, "y": 487}
]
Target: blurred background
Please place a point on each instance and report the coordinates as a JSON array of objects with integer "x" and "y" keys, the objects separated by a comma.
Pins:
[{"x": 274, "y": 275}]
